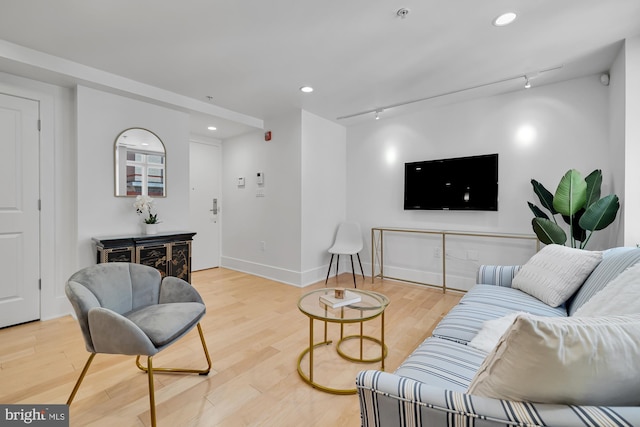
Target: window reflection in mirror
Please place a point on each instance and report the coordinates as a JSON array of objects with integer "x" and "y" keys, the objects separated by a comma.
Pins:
[{"x": 140, "y": 164}]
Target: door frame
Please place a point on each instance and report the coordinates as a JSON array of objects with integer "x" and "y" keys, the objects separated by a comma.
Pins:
[{"x": 53, "y": 302}]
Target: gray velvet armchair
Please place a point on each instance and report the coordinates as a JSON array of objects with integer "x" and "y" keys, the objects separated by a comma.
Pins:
[{"x": 129, "y": 309}]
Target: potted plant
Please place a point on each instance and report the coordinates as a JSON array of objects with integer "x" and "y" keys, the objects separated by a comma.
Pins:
[
  {"x": 577, "y": 200},
  {"x": 144, "y": 206}
]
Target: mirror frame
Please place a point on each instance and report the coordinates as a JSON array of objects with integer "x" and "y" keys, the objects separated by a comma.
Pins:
[{"x": 116, "y": 168}]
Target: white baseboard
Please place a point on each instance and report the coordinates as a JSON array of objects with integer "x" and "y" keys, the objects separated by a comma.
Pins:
[
  {"x": 283, "y": 275},
  {"x": 290, "y": 277},
  {"x": 56, "y": 307}
]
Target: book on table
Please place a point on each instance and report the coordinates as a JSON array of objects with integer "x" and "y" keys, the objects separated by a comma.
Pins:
[{"x": 333, "y": 302}]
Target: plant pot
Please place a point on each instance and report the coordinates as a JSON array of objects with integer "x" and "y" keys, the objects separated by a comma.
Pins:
[{"x": 150, "y": 228}]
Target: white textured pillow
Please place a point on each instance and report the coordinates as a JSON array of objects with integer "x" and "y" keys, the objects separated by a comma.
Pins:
[
  {"x": 492, "y": 330},
  {"x": 620, "y": 296},
  {"x": 577, "y": 361},
  {"x": 555, "y": 273}
]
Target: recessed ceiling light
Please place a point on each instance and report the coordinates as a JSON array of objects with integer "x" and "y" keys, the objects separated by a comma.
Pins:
[
  {"x": 212, "y": 128},
  {"x": 306, "y": 89},
  {"x": 504, "y": 19}
]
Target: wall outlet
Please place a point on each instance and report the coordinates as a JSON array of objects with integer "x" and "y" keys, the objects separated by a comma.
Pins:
[
  {"x": 437, "y": 253},
  {"x": 263, "y": 245}
]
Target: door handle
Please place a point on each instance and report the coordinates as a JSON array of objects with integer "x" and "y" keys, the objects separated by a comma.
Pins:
[{"x": 215, "y": 207}]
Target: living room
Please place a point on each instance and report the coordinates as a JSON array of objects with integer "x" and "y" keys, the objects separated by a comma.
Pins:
[{"x": 319, "y": 171}]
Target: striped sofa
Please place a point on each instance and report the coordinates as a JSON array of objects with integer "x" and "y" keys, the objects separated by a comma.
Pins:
[{"x": 429, "y": 388}]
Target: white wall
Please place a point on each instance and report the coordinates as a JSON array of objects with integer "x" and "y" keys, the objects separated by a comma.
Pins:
[
  {"x": 324, "y": 192},
  {"x": 571, "y": 128},
  {"x": 304, "y": 168},
  {"x": 274, "y": 218},
  {"x": 101, "y": 117}
]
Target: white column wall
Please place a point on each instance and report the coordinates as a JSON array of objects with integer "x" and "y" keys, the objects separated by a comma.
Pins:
[
  {"x": 275, "y": 218},
  {"x": 324, "y": 192},
  {"x": 632, "y": 142},
  {"x": 617, "y": 85}
]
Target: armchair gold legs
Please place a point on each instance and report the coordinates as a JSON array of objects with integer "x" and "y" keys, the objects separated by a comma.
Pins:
[
  {"x": 82, "y": 374},
  {"x": 186, "y": 371},
  {"x": 149, "y": 369}
]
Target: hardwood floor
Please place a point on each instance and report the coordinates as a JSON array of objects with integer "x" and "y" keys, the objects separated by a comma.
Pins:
[{"x": 255, "y": 334}]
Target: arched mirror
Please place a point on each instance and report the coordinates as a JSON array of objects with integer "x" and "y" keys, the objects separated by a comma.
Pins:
[{"x": 140, "y": 164}]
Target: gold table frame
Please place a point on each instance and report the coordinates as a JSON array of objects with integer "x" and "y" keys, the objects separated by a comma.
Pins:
[
  {"x": 373, "y": 311},
  {"x": 377, "y": 249}
]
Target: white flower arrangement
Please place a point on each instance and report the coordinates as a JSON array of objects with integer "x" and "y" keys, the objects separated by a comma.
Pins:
[{"x": 144, "y": 205}]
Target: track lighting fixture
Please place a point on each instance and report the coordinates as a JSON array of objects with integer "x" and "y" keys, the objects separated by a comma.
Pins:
[{"x": 515, "y": 78}]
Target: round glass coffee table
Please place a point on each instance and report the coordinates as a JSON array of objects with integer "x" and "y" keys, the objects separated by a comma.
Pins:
[{"x": 371, "y": 305}]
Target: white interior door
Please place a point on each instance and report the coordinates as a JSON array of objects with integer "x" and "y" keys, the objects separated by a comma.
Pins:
[
  {"x": 204, "y": 179},
  {"x": 19, "y": 211}
]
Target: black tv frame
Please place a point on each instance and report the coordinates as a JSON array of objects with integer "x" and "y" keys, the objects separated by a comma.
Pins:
[{"x": 459, "y": 183}]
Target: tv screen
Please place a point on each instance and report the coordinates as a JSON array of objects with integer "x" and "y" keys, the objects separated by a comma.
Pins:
[{"x": 463, "y": 183}]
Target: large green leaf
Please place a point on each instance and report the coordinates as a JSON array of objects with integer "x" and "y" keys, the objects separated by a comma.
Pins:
[
  {"x": 600, "y": 214},
  {"x": 539, "y": 213},
  {"x": 548, "y": 232},
  {"x": 545, "y": 196},
  {"x": 594, "y": 182},
  {"x": 571, "y": 194}
]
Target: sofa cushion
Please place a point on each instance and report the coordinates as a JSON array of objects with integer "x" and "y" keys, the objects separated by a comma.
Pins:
[
  {"x": 573, "y": 360},
  {"x": 620, "y": 296},
  {"x": 510, "y": 298},
  {"x": 442, "y": 363},
  {"x": 464, "y": 321},
  {"x": 555, "y": 273},
  {"x": 614, "y": 262}
]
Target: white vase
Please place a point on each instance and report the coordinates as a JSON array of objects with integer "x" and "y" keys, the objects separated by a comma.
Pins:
[{"x": 150, "y": 228}]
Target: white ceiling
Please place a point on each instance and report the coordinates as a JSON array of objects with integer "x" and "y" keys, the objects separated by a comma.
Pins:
[{"x": 252, "y": 56}]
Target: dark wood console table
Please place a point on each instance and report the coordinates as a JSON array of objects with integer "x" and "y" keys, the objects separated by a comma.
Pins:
[{"x": 168, "y": 252}]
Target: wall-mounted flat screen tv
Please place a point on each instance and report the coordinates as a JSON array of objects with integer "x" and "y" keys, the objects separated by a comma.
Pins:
[{"x": 462, "y": 183}]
